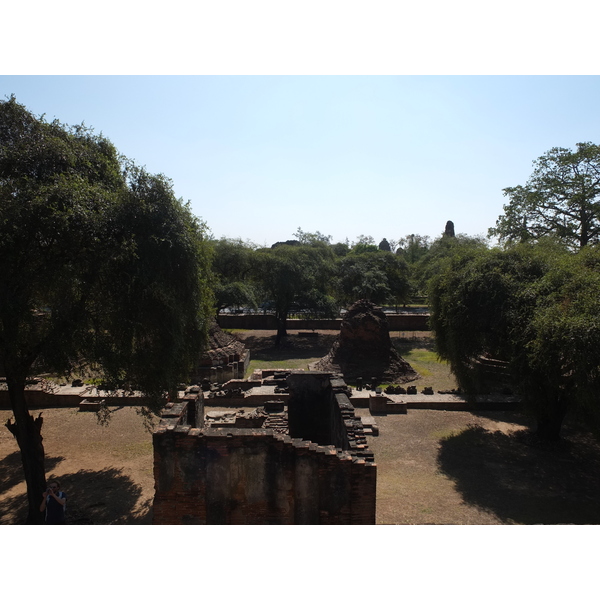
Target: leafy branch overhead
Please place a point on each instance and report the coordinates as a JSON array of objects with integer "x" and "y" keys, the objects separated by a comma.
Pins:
[
  {"x": 561, "y": 199},
  {"x": 100, "y": 265}
]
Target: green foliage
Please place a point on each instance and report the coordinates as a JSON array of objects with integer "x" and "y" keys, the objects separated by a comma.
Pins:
[
  {"x": 149, "y": 337},
  {"x": 560, "y": 199},
  {"x": 361, "y": 248},
  {"x": 432, "y": 260},
  {"x": 100, "y": 264},
  {"x": 413, "y": 247},
  {"x": 378, "y": 276},
  {"x": 312, "y": 239},
  {"x": 340, "y": 249},
  {"x": 536, "y": 307},
  {"x": 296, "y": 277},
  {"x": 99, "y": 260},
  {"x": 366, "y": 240},
  {"x": 233, "y": 264}
]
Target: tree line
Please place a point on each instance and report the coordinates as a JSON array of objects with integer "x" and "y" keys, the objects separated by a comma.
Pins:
[
  {"x": 314, "y": 276},
  {"x": 104, "y": 270}
]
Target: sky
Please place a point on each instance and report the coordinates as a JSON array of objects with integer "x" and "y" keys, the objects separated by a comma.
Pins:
[{"x": 258, "y": 157}]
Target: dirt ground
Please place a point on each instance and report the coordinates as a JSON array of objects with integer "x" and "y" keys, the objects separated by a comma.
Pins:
[
  {"x": 434, "y": 467},
  {"x": 106, "y": 471}
]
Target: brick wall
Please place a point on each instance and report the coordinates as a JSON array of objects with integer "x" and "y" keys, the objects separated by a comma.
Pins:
[
  {"x": 406, "y": 322},
  {"x": 242, "y": 477},
  {"x": 257, "y": 476}
]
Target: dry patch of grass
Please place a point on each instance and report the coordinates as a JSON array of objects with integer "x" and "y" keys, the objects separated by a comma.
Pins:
[
  {"x": 106, "y": 471},
  {"x": 442, "y": 467},
  {"x": 411, "y": 489}
]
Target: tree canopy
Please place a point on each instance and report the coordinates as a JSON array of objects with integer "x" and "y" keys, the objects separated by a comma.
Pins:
[
  {"x": 296, "y": 276},
  {"x": 233, "y": 267},
  {"x": 378, "y": 276},
  {"x": 101, "y": 267},
  {"x": 538, "y": 309},
  {"x": 412, "y": 247},
  {"x": 561, "y": 199}
]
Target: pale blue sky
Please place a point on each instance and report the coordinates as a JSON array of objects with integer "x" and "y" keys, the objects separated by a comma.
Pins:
[{"x": 385, "y": 156}]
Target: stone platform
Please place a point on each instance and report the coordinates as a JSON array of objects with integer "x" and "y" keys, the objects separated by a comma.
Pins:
[{"x": 441, "y": 401}]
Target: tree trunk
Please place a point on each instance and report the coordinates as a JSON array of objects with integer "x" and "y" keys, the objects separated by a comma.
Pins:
[
  {"x": 550, "y": 422},
  {"x": 27, "y": 432},
  {"x": 281, "y": 327}
]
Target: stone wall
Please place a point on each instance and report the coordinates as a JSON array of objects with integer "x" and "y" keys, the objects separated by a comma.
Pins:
[
  {"x": 404, "y": 322},
  {"x": 38, "y": 395},
  {"x": 257, "y": 476},
  {"x": 222, "y": 373}
]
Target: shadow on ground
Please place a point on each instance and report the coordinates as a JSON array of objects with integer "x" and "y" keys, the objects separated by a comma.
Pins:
[
  {"x": 104, "y": 497},
  {"x": 295, "y": 346},
  {"x": 11, "y": 469},
  {"x": 522, "y": 480},
  {"x": 512, "y": 417}
]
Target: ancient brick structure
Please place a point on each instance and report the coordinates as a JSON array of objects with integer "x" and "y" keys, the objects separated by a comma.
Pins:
[
  {"x": 225, "y": 358},
  {"x": 364, "y": 348},
  {"x": 318, "y": 472}
]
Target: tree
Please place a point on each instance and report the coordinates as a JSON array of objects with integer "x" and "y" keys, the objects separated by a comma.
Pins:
[
  {"x": 365, "y": 240},
  {"x": 413, "y": 247},
  {"x": 377, "y": 276},
  {"x": 537, "y": 308},
  {"x": 311, "y": 239},
  {"x": 433, "y": 260},
  {"x": 560, "y": 199},
  {"x": 295, "y": 276},
  {"x": 101, "y": 268},
  {"x": 232, "y": 265},
  {"x": 341, "y": 249}
]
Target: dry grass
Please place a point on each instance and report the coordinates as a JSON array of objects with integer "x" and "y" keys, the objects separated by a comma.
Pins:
[
  {"x": 411, "y": 488},
  {"x": 106, "y": 472}
]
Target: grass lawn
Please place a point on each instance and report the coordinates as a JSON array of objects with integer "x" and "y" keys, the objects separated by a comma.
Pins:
[{"x": 296, "y": 352}]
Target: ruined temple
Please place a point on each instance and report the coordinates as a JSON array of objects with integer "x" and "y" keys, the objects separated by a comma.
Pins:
[
  {"x": 225, "y": 357},
  {"x": 364, "y": 348},
  {"x": 304, "y": 460}
]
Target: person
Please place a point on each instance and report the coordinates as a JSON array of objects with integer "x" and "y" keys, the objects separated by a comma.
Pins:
[{"x": 54, "y": 503}]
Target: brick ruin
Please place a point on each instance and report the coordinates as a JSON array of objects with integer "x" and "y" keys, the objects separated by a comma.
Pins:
[
  {"x": 225, "y": 358},
  {"x": 304, "y": 463},
  {"x": 364, "y": 348}
]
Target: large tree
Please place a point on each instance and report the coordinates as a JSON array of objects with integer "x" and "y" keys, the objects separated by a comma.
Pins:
[
  {"x": 296, "y": 276},
  {"x": 561, "y": 199},
  {"x": 375, "y": 275},
  {"x": 233, "y": 264},
  {"x": 433, "y": 259},
  {"x": 538, "y": 309},
  {"x": 101, "y": 268}
]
